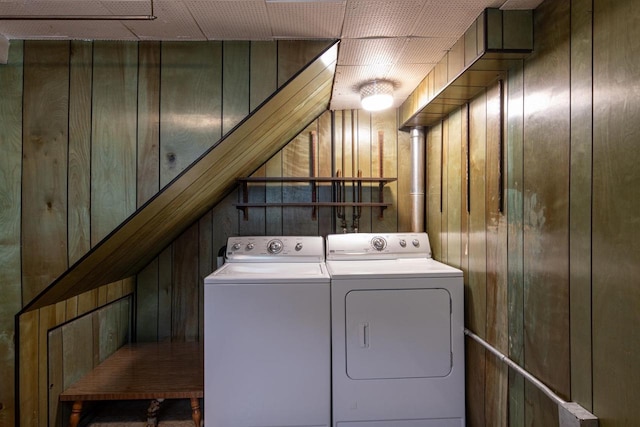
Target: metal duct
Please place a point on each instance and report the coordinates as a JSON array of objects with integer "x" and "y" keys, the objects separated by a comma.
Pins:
[{"x": 417, "y": 178}]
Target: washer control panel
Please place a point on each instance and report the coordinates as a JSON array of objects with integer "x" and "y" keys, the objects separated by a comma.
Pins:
[
  {"x": 362, "y": 246},
  {"x": 275, "y": 249}
]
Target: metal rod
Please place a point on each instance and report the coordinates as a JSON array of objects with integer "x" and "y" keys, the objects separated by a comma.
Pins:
[
  {"x": 354, "y": 150},
  {"x": 416, "y": 192},
  {"x": 468, "y": 160},
  {"x": 501, "y": 173},
  {"x": 77, "y": 17},
  {"x": 513, "y": 365},
  {"x": 313, "y": 137},
  {"x": 381, "y": 153},
  {"x": 354, "y": 162},
  {"x": 441, "y": 162}
]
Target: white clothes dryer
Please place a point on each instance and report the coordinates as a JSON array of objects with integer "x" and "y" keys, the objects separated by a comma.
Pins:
[
  {"x": 397, "y": 333},
  {"x": 267, "y": 335}
]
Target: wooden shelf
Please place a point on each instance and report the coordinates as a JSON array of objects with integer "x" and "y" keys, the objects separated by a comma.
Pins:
[
  {"x": 338, "y": 185},
  {"x": 259, "y": 179}
]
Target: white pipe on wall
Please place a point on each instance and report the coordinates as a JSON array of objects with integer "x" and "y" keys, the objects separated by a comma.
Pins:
[{"x": 570, "y": 414}]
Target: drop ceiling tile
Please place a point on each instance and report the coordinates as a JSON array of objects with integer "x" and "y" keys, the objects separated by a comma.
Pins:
[
  {"x": 429, "y": 50},
  {"x": 349, "y": 78},
  {"x": 306, "y": 20},
  {"x": 75, "y": 30},
  {"x": 26, "y": 30},
  {"x": 53, "y": 7},
  {"x": 351, "y": 102},
  {"x": 449, "y": 18},
  {"x": 119, "y": 7},
  {"x": 380, "y": 18},
  {"x": 408, "y": 76},
  {"x": 521, "y": 4},
  {"x": 99, "y": 30},
  {"x": 370, "y": 51},
  {"x": 231, "y": 20},
  {"x": 174, "y": 21}
]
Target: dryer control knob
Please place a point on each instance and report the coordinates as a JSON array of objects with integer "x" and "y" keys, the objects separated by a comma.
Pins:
[
  {"x": 236, "y": 246},
  {"x": 416, "y": 243},
  {"x": 403, "y": 243},
  {"x": 274, "y": 246},
  {"x": 378, "y": 243},
  {"x": 298, "y": 246}
]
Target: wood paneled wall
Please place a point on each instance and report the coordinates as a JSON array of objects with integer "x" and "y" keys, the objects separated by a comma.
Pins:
[
  {"x": 37, "y": 389},
  {"x": 615, "y": 255},
  {"x": 11, "y": 76},
  {"x": 545, "y": 227},
  {"x": 80, "y": 345},
  {"x": 89, "y": 132},
  {"x": 548, "y": 237}
]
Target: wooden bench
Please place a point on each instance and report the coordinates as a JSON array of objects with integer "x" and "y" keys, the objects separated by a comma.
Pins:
[{"x": 148, "y": 371}]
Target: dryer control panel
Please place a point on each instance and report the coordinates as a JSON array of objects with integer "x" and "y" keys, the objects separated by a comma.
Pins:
[
  {"x": 275, "y": 249},
  {"x": 360, "y": 246}
]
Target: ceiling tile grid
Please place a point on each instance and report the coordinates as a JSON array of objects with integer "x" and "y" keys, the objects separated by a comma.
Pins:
[{"x": 306, "y": 20}]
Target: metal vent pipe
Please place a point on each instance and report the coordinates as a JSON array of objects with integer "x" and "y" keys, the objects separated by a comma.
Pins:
[{"x": 417, "y": 178}]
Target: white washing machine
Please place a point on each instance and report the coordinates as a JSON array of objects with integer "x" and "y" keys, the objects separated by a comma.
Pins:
[
  {"x": 268, "y": 335},
  {"x": 397, "y": 333}
]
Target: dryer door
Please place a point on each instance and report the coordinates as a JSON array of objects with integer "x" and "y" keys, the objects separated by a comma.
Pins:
[{"x": 398, "y": 333}]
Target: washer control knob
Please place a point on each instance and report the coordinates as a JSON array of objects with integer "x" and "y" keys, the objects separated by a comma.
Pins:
[
  {"x": 416, "y": 243},
  {"x": 403, "y": 243},
  {"x": 298, "y": 246},
  {"x": 274, "y": 246},
  {"x": 378, "y": 243},
  {"x": 236, "y": 246},
  {"x": 250, "y": 246}
]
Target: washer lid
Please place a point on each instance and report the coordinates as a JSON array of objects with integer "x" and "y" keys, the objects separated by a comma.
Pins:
[
  {"x": 269, "y": 273},
  {"x": 392, "y": 268}
]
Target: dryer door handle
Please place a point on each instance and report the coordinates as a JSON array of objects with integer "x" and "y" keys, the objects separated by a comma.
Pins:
[{"x": 363, "y": 334}]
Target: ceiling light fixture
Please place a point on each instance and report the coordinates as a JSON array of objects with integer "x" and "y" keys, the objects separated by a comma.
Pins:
[
  {"x": 376, "y": 95},
  {"x": 150, "y": 17}
]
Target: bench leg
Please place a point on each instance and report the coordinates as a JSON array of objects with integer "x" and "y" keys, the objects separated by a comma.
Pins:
[
  {"x": 152, "y": 412},
  {"x": 195, "y": 411},
  {"x": 76, "y": 410}
]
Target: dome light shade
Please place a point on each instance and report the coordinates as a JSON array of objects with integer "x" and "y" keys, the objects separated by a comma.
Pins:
[{"x": 376, "y": 95}]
